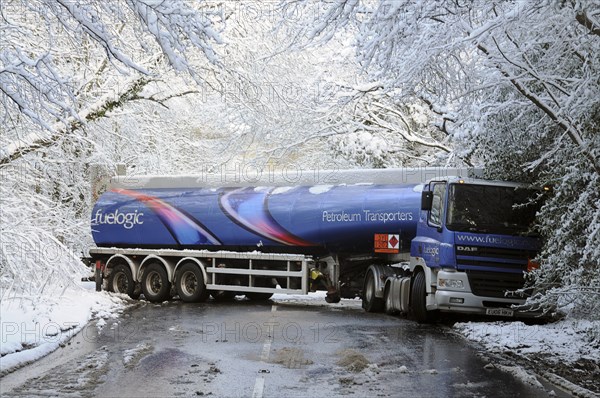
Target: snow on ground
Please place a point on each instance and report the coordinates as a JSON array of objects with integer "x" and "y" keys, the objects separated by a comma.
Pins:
[
  {"x": 130, "y": 356},
  {"x": 313, "y": 296},
  {"x": 522, "y": 375},
  {"x": 314, "y": 299},
  {"x": 567, "y": 340},
  {"x": 32, "y": 327},
  {"x": 565, "y": 353}
]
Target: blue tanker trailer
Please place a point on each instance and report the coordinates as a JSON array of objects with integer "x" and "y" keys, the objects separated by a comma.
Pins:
[
  {"x": 392, "y": 237},
  {"x": 307, "y": 219}
]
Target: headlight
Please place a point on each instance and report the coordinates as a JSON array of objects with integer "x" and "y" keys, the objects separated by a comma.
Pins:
[{"x": 450, "y": 284}]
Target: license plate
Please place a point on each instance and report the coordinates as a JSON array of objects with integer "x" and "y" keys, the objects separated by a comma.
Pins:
[{"x": 499, "y": 312}]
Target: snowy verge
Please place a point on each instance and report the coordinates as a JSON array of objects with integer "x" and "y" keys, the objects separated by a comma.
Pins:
[
  {"x": 32, "y": 327},
  {"x": 566, "y": 340},
  {"x": 565, "y": 353}
]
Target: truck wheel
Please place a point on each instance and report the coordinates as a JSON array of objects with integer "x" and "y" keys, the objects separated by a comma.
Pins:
[
  {"x": 387, "y": 298},
  {"x": 333, "y": 298},
  {"x": 259, "y": 296},
  {"x": 189, "y": 284},
  {"x": 371, "y": 303},
  {"x": 121, "y": 281},
  {"x": 418, "y": 302},
  {"x": 261, "y": 282},
  {"x": 155, "y": 283},
  {"x": 222, "y": 295}
]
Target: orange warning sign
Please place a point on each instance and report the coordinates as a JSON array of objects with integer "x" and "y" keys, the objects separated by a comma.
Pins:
[{"x": 387, "y": 243}]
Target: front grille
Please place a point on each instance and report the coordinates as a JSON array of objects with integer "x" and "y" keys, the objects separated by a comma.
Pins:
[
  {"x": 485, "y": 251},
  {"x": 497, "y": 304},
  {"x": 494, "y": 284},
  {"x": 480, "y": 258}
]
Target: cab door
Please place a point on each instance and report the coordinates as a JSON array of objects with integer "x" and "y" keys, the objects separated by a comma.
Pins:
[{"x": 430, "y": 231}]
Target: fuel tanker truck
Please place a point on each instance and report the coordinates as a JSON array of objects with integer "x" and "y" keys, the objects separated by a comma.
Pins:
[{"x": 415, "y": 241}]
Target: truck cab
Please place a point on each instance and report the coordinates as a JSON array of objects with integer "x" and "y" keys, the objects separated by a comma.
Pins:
[{"x": 474, "y": 245}]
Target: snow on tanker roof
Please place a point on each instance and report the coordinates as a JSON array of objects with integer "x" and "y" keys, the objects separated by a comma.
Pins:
[{"x": 285, "y": 178}]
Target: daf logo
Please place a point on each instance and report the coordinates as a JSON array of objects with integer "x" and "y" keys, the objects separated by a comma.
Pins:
[{"x": 466, "y": 248}]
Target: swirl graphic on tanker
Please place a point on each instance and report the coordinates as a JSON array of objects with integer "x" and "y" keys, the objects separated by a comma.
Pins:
[
  {"x": 249, "y": 209},
  {"x": 185, "y": 229}
]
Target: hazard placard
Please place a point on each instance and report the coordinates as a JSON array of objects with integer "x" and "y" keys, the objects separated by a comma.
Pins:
[{"x": 387, "y": 243}]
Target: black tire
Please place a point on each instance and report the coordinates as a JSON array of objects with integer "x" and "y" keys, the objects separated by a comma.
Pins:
[
  {"x": 259, "y": 296},
  {"x": 121, "y": 281},
  {"x": 222, "y": 295},
  {"x": 418, "y": 301},
  {"x": 387, "y": 299},
  {"x": 155, "y": 283},
  {"x": 261, "y": 282},
  {"x": 333, "y": 298},
  {"x": 369, "y": 302},
  {"x": 189, "y": 284}
]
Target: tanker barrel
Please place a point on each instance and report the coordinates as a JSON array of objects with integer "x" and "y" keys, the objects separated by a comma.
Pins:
[{"x": 304, "y": 218}]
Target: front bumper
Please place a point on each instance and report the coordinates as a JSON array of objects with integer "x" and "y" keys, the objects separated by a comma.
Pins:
[{"x": 465, "y": 302}]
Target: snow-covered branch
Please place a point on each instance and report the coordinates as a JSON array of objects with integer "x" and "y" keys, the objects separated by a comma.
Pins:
[
  {"x": 563, "y": 121},
  {"x": 36, "y": 141},
  {"x": 48, "y": 48}
]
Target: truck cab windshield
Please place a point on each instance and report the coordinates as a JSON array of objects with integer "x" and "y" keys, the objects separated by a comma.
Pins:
[{"x": 492, "y": 209}]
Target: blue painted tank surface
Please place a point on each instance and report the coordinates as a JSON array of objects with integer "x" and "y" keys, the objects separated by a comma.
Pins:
[{"x": 341, "y": 217}]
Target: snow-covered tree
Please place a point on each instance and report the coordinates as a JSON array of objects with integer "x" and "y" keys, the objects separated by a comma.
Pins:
[
  {"x": 62, "y": 62},
  {"x": 64, "y": 68},
  {"x": 407, "y": 128},
  {"x": 379, "y": 128}
]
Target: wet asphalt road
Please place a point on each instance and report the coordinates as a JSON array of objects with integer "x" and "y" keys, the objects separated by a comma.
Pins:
[{"x": 272, "y": 349}]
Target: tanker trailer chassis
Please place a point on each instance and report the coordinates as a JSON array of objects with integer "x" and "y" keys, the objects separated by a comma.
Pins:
[{"x": 193, "y": 275}]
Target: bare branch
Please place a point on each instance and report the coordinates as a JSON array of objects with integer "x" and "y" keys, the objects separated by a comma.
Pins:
[{"x": 591, "y": 24}]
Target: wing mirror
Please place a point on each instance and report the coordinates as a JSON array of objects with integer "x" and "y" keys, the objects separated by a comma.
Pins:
[{"x": 426, "y": 200}]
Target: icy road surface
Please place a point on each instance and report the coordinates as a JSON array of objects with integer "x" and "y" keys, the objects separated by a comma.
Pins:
[{"x": 278, "y": 348}]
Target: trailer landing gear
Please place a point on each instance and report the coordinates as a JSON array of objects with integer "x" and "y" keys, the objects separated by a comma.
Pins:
[{"x": 321, "y": 280}]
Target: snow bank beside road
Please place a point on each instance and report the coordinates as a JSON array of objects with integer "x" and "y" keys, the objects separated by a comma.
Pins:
[
  {"x": 567, "y": 340},
  {"x": 32, "y": 327},
  {"x": 566, "y": 353}
]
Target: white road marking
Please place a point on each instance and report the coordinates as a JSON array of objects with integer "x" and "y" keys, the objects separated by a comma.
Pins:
[
  {"x": 264, "y": 356},
  {"x": 259, "y": 384},
  {"x": 259, "y": 387}
]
